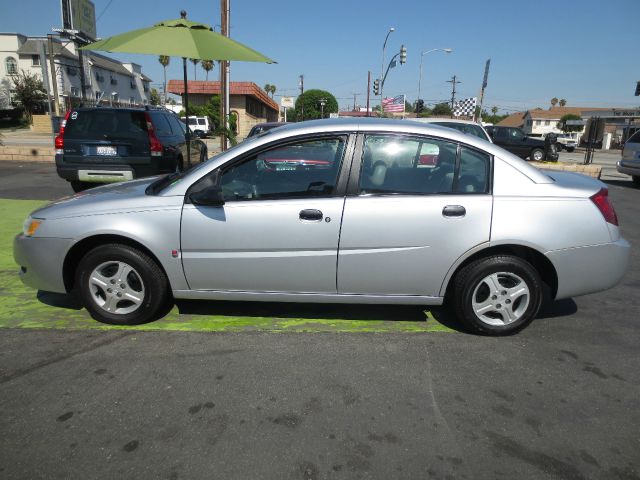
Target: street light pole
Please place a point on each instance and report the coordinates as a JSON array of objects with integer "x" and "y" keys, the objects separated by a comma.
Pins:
[
  {"x": 446, "y": 50},
  {"x": 384, "y": 46}
]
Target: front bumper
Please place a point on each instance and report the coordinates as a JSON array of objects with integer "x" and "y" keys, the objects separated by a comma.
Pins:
[
  {"x": 590, "y": 269},
  {"x": 41, "y": 261}
]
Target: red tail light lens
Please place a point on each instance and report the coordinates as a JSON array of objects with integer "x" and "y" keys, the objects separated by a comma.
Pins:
[
  {"x": 601, "y": 200},
  {"x": 156, "y": 146},
  {"x": 59, "y": 142}
]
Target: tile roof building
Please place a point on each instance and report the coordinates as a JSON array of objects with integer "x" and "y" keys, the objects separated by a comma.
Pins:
[{"x": 250, "y": 103}]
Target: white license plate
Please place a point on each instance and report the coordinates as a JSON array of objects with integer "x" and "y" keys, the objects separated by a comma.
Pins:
[{"x": 106, "y": 151}]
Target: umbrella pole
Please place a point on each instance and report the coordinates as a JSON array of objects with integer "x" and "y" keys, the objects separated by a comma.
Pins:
[{"x": 186, "y": 111}]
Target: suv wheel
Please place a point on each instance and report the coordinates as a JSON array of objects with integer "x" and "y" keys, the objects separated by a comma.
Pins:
[
  {"x": 497, "y": 295},
  {"x": 636, "y": 180},
  {"x": 537, "y": 154},
  {"x": 79, "y": 186},
  {"x": 120, "y": 285}
]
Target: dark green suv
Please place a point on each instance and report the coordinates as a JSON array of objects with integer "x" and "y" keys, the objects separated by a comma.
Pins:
[{"x": 103, "y": 145}]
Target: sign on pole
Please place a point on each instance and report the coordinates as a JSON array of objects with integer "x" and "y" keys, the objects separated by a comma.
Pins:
[
  {"x": 80, "y": 15},
  {"x": 286, "y": 102}
]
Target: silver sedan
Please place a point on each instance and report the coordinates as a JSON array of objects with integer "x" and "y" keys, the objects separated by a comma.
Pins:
[{"x": 335, "y": 211}]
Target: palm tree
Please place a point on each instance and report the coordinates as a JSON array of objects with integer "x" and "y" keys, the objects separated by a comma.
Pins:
[
  {"x": 207, "y": 65},
  {"x": 562, "y": 102},
  {"x": 195, "y": 62},
  {"x": 554, "y": 101},
  {"x": 494, "y": 110},
  {"x": 164, "y": 61},
  {"x": 270, "y": 89}
]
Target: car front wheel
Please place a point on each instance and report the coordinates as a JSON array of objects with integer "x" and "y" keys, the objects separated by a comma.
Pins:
[
  {"x": 636, "y": 180},
  {"x": 120, "y": 285},
  {"x": 537, "y": 154},
  {"x": 497, "y": 295}
]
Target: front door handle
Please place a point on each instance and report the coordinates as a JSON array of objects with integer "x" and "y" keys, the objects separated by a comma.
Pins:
[
  {"x": 311, "y": 214},
  {"x": 454, "y": 211}
]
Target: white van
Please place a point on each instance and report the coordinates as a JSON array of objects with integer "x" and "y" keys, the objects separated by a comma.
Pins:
[{"x": 198, "y": 125}]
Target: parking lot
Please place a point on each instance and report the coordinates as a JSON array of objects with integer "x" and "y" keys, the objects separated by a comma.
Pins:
[{"x": 224, "y": 390}]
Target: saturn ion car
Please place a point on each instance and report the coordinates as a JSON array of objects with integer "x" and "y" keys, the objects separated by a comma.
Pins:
[{"x": 334, "y": 211}]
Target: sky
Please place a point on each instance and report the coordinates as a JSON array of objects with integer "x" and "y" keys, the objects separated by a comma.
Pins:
[{"x": 585, "y": 51}]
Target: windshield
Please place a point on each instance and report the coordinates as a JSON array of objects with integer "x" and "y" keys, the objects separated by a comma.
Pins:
[{"x": 468, "y": 128}]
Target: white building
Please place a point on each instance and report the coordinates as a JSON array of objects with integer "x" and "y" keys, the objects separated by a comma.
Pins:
[{"x": 107, "y": 81}]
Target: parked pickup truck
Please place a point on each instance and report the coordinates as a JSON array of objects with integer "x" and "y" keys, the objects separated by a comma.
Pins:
[
  {"x": 566, "y": 142},
  {"x": 517, "y": 142}
]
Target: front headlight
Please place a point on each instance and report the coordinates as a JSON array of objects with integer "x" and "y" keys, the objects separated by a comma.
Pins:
[{"x": 30, "y": 226}]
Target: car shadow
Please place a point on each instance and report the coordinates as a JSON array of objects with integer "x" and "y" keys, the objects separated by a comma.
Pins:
[
  {"x": 621, "y": 183},
  {"x": 557, "y": 308},
  {"x": 60, "y": 300},
  {"x": 312, "y": 311}
]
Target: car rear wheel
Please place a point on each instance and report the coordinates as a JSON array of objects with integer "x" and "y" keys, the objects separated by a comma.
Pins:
[
  {"x": 636, "y": 180},
  {"x": 537, "y": 154},
  {"x": 120, "y": 285},
  {"x": 497, "y": 295}
]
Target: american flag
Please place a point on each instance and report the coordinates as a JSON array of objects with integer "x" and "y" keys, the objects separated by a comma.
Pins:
[{"x": 395, "y": 104}]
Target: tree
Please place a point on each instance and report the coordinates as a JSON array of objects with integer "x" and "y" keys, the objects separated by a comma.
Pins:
[
  {"x": 554, "y": 101},
  {"x": 270, "y": 89},
  {"x": 29, "y": 92},
  {"x": 494, "y": 110},
  {"x": 441, "y": 109},
  {"x": 569, "y": 128},
  {"x": 195, "y": 62},
  {"x": 211, "y": 109},
  {"x": 154, "y": 98},
  {"x": 164, "y": 61},
  {"x": 408, "y": 107},
  {"x": 562, "y": 102},
  {"x": 311, "y": 102},
  {"x": 207, "y": 66}
]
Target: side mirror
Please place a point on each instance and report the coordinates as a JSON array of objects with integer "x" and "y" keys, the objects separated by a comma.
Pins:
[{"x": 208, "y": 197}]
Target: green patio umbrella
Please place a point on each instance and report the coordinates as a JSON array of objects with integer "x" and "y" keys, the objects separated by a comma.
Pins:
[{"x": 180, "y": 38}]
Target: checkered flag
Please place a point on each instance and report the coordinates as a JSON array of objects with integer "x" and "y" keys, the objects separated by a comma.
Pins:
[{"x": 465, "y": 107}]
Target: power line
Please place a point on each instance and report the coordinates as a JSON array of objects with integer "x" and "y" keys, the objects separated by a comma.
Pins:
[{"x": 104, "y": 10}]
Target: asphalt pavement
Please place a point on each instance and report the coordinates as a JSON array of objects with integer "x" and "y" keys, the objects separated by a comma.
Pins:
[{"x": 560, "y": 400}]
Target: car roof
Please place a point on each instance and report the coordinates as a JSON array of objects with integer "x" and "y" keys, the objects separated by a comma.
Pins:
[
  {"x": 355, "y": 125},
  {"x": 443, "y": 120}
]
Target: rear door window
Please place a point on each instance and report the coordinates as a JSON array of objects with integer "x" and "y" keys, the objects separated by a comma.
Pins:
[{"x": 105, "y": 125}]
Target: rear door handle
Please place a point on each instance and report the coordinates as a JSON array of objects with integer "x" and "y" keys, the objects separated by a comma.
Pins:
[
  {"x": 310, "y": 214},
  {"x": 454, "y": 211}
]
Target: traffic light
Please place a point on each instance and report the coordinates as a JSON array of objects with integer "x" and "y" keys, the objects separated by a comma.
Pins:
[
  {"x": 637, "y": 89},
  {"x": 403, "y": 55},
  {"x": 376, "y": 87},
  {"x": 419, "y": 105}
]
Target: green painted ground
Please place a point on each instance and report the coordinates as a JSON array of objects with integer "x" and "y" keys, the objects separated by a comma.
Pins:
[{"x": 22, "y": 307}]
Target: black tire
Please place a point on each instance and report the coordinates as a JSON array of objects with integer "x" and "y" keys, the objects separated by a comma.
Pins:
[
  {"x": 180, "y": 164},
  {"x": 510, "y": 272},
  {"x": 203, "y": 155},
  {"x": 79, "y": 186},
  {"x": 636, "y": 180},
  {"x": 146, "y": 279},
  {"x": 537, "y": 152},
  {"x": 570, "y": 149},
  {"x": 559, "y": 147}
]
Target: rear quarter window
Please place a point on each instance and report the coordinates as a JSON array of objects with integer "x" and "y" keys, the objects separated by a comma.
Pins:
[{"x": 635, "y": 138}]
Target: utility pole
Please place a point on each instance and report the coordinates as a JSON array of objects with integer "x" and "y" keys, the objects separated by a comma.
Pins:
[
  {"x": 484, "y": 85},
  {"x": 225, "y": 13},
  {"x": 453, "y": 83},
  {"x": 354, "y": 101},
  {"x": 368, "y": 92},
  {"x": 54, "y": 79},
  {"x": 301, "y": 99}
]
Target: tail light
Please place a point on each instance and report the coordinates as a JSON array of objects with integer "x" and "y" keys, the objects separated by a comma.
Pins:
[
  {"x": 156, "y": 146},
  {"x": 601, "y": 200},
  {"x": 59, "y": 142}
]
